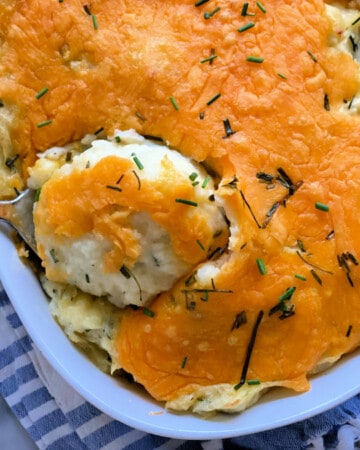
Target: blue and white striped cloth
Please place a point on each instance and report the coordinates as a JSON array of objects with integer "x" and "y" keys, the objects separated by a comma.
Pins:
[{"x": 58, "y": 418}]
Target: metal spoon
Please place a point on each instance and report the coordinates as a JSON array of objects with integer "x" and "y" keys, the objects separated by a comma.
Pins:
[{"x": 19, "y": 214}]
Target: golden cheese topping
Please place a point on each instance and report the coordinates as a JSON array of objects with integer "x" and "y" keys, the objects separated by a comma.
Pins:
[
  {"x": 260, "y": 98},
  {"x": 127, "y": 219}
]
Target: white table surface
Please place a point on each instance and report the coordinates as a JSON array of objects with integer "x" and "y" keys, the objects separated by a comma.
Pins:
[{"x": 12, "y": 435}]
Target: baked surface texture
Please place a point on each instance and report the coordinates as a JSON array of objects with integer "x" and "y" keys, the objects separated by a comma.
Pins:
[{"x": 267, "y": 102}]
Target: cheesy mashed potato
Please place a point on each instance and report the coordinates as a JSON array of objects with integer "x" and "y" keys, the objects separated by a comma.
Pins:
[
  {"x": 225, "y": 262},
  {"x": 126, "y": 219}
]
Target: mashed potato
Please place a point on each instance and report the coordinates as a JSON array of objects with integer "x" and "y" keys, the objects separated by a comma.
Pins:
[{"x": 131, "y": 233}]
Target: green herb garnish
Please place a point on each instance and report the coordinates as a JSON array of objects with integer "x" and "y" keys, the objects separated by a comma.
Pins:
[
  {"x": 137, "y": 161},
  {"x": 261, "y": 266},
  {"x": 322, "y": 206},
  {"x": 148, "y": 312},
  {"x": 253, "y": 382},
  {"x": 186, "y": 202},
  {"x": 208, "y": 15},
  {"x": 261, "y": 7},
  {"x": 213, "y": 99},
  {"x": 94, "y": 21},
  {"x": 255, "y": 59},
  {"x": 205, "y": 182},
  {"x": 174, "y": 103},
  {"x": 245, "y": 27},
  {"x": 249, "y": 350},
  {"x": 312, "y": 56},
  {"x": 184, "y": 361},
  {"x": 208, "y": 59},
  {"x": 201, "y": 2},
  {"x": 42, "y": 92},
  {"x": 44, "y": 123}
]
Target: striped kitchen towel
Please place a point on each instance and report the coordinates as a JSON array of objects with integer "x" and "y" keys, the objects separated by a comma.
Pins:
[{"x": 58, "y": 418}]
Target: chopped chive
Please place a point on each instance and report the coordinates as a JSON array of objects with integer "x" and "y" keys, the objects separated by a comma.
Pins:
[
  {"x": 285, "y": 180},
  {"x": 228, "y": 129},
  {"x": 356, "y": 21},
  {"x": 287, "y": 294},
  {"x": 349, "y": 331},
  {"x": 351, "y": 102},
  {"x": 118, "y": 181},
  {"x": 195, "y": 183},
  {"x": 186, "y": 202},
  {"x": 199, "y": 243},
  {"x": 117, "y": 139},
  {"x": 353, "y": 43},
  {"x": 250, "y": 209},
  {"x": 255, "y": 59},
  {"x": 53, "y": 256},
  {"x": 137, "y": 161},
  {"x": 148, "y": 312},
  {"x": 60, "y": 1},
  {"x": 201, "y": 2},
  {"x": 37, "y": 194},
  {"x": 191, "y": 279},
  {"x": 300, "y": 277},
  {"x": 212, "y": 100},
  {"x": 126, "y": 272},
  {"x": 326, "y": 103},
  {"x": 205, "y": 182},
  {"x": 114, "y": 188},
  {"x": 208, "y": 59},
  {"x": 352, "y": 258},
  {"x": 174, "y": 103},
  {"x": 201, "y": 291},
  {"x": 322, "y": 206},
  {"x": 315, "y": 266},
  {"x": 87, "y": 278},
  {"x": 249, "y": 350},
  {"x": 244, "y": 9},
  {"x": 301, "y": 245},
  {"x": 312, "y": 56},
  {"x": 42, "y": 92},
  {"x": 330, "y": 235},
  {"x": 261, "y": 266},
  {"x": 208, "y": 15},
  {"x": 281, "y": 75},
  {"x": 183, "y": 363},
  {"x": 140, "y": 116},
  {"x": 316, "y": 276},
  {"x": 206, "y": 296},
  {"x": 245, "y": 27},
  {"x": 138, "y": 179},
  {"x": 264, "y": 177},
  {"x": 193, "y": 176},
  {"x": 68, "y": 156},
  {"x": 201, "y": 115},
  {"x": 87, "y": 10},
  {"x": 253, "y": 382},
  {"x": 11, "y": 161},
  {"x": 261, "y": 7},
  {"x": 94, "y": 21},
  {"x": 240, "y": 319},
  {"x": 44, "y": 124}
]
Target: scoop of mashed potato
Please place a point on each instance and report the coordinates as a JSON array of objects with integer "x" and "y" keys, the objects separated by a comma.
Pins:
[{"x": 126, "y": 219}]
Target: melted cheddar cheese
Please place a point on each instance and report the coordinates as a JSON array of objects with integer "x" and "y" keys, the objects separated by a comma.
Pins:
[{"x": 265, "y": 107}]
